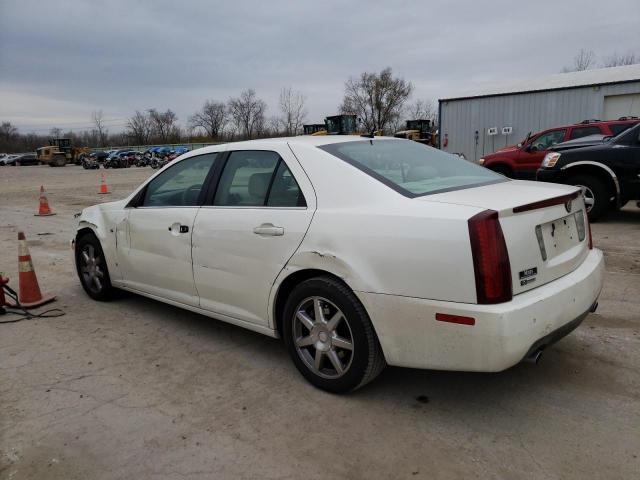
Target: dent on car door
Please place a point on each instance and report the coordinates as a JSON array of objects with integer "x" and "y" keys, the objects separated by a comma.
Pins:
[
  {"x": 261, "y": 210},
  {"x": 157, "y": 257}
]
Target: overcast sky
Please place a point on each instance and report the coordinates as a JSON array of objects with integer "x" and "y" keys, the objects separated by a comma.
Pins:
[{"x": 59, "y": 60}]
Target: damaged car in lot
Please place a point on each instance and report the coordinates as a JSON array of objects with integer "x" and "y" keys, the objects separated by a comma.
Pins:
[{"x": 358, "y": 252}]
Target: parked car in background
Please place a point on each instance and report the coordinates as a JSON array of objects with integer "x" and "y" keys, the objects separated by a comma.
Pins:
[
  {"x": 99, "y": 156},
  {"x": 522, "y": 160},
  {"x": 358, "y": 252},
  {"x": 608, "y": 171},
  {"x": 7, "y": 159},
  {"x": 22, "y": 160}
]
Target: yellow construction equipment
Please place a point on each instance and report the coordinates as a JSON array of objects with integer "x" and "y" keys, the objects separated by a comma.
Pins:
[
  {"x": 59, "y": 152},
  {"x": 345, "y": 124},
  {"x": 312, "y": 128},
  {"x": 420, "y": 131}
]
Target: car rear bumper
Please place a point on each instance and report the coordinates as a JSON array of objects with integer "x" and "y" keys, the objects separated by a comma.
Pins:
[{"x": 502, "y": 335}]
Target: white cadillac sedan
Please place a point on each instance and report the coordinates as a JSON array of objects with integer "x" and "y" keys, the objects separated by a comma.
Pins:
[{"x": 358, "y": 252}]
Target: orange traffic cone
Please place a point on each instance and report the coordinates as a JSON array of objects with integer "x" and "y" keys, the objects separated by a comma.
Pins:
[
  {"x": 3, "y": 301},
  {"x": 103, "y": 186},
  {"x": 30, "y": 295},
  {"x": 44, "y": 210}
]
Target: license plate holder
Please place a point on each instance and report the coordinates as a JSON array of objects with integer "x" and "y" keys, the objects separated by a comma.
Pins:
[{"x": 560, "y": 235}]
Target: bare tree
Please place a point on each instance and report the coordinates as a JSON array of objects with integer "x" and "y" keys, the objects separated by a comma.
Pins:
[
  {"x": 423, "y": 110},
  {"x": 616, "y": 60},
  {"x": 139, "y": 128},
  {"x": 376, "y": 98},
  {"x": 212, "y": 117},
  {"x": 293, "y": 111},
  {"x": 164, "y": 124},
  {"x": 98, "y": 120},
  {"x": 55, "y": 132},
  {"x": 584, "y": 60},
  {"x": 247, "y": 112},
  {"x": 7, "y": 132}
]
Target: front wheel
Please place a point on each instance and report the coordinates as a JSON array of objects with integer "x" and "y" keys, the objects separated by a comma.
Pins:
[
  {"x": 92, "y": 268},
  {"x": 329, "y": 336},
  {"x": 596, "y": 194}
]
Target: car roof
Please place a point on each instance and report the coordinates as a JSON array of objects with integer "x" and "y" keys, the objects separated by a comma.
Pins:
[
  {"x": 310, "y": 140},
  {"x": 302, "y": 140}
]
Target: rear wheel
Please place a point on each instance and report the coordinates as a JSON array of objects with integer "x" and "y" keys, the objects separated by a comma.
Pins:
[
  {"x": 330, "y": 337},
  {"x": 596, "y": 194},
  {"x": 92, "y": 268}
]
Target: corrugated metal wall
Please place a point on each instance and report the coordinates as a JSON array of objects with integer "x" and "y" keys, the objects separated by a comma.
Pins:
[{"x": 525, "y": 112}]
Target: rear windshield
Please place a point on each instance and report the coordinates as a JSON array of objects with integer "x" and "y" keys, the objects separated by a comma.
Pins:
[{"x": 411, "y": 168}]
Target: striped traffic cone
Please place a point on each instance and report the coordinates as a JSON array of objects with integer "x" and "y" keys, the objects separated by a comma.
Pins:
[
  {"x": 30, "y": 295},
  {"x": 44, "y": 210},
  {"x": 103, "y": 186}
]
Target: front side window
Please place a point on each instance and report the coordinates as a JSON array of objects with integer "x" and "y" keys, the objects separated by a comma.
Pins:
[
  {"x": 580, "y": 132},
  {"x": 255, "y": 179},
  {"x": 548, "y": 140},
  {"x": 180, "y": 185},
  {"x": 411, "y": 168}
]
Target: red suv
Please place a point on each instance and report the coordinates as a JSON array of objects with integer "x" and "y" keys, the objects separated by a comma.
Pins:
[{"x": 522, "y": 160}]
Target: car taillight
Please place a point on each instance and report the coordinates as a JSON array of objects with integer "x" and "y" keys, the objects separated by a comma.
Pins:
[{"x": 490, "y": 258}]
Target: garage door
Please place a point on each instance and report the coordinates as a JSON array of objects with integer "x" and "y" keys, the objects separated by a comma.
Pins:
[{"x": 616, "y": 106}]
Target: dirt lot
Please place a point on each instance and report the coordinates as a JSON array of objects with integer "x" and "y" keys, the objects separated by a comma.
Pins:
[{"x": 135, "y": 389}]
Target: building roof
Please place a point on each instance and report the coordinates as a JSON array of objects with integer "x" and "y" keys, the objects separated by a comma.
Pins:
[{"x": 558, "y": 81}]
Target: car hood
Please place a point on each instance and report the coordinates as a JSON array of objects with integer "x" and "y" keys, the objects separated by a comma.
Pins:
[
  {"x": 506, "y": 150},
  {"x": 589, "y": 141},
  {"x": 582, "y": 151}
]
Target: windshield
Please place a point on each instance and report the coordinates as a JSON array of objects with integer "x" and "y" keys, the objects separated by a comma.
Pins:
[
  {"x": 411, "y": 168},
  {"x": 630, "y": 135}
]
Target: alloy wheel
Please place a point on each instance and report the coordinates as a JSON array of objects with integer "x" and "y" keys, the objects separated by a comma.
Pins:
[
  {"x": 322, "y": 337},
  {"x": 589, "y": 197},
  {"x": 91, "y": 268}
]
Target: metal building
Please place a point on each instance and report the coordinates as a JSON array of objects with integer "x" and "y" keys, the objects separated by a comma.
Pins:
[{"x": 480, "y": 123}]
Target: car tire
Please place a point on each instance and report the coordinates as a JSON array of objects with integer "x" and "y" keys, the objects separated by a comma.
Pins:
[
  {"x": 595, "y": 192},
  {"x": 339, "y": 352},
  {"x": 92, "y": 268}
]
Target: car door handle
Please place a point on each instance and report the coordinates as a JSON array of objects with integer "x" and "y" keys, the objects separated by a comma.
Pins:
[
  {"x": 177, "y": 228},
  {"x": 268, "y": 229}
]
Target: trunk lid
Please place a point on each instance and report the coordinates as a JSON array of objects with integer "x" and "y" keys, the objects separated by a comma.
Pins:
[{"x": 544, "y": 225}]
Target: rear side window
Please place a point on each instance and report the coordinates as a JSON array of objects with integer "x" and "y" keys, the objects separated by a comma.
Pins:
[
  {"x": 410, "y": 168},
  {"x": 580, "y": 132},
  {"x": 285, "y": 191},
  {"x": 617, "y": 128},
  {"x": 257, "y": 178}
]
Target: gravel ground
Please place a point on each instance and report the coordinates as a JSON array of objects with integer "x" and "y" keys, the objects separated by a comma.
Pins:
[{"x": 135, "y": 389}]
